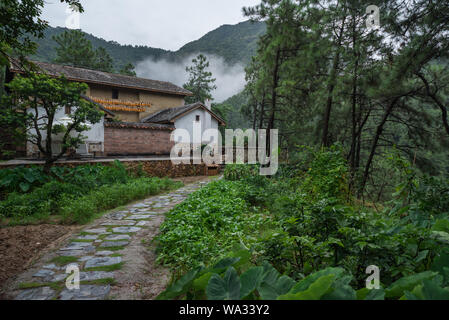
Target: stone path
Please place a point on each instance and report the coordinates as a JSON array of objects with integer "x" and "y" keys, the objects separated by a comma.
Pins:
[{"x": 102, "y": 253}]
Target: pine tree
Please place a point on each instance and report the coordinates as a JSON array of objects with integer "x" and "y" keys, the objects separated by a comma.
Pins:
[
  {"x": 74, "y": 49},
  {"x": 103, "y": 60},
  {"x": 128, "y": 70},
  {"x": 200, "y": 82}
]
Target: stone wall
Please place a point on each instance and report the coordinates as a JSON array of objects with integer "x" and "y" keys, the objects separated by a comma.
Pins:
[
  {"x": 125, "y": 139},
  {"x": 152, "y": 167}
]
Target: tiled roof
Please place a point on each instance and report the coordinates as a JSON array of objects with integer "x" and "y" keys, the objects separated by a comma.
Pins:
[
  {"x": 169, "y": 115},
  {"x": 105, "y": 78}
]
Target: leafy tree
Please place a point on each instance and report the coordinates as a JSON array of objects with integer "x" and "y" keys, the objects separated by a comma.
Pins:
[
  {"x": 21, "y": 21},
  {"x": 39, "y": 97},
  {"x": 200, "y": 82},
  {"x": 128, "y": 70}
]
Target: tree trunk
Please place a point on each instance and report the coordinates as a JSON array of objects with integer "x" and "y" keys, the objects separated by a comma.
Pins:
[
  {"x": 325, "y": 141},
  {"x": 379, "y": 131}
]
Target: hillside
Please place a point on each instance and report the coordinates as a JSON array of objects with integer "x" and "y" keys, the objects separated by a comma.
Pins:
[{"x": 235, "y": 43}]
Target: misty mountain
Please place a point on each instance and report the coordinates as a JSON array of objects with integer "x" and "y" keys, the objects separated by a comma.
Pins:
[{"x": 236, "y": 44}]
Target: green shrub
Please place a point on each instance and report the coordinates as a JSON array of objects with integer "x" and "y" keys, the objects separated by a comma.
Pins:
[
  {"x": 235, "y": 172},
  {"x": 207, "y": 225},
  {"x": 82, "y": 209}
]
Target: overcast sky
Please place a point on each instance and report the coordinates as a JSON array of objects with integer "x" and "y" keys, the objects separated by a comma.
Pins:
[{"x": 167, "y": 24}]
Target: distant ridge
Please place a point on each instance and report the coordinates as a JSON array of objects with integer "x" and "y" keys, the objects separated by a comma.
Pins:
[{"x": 235, "y": 43}]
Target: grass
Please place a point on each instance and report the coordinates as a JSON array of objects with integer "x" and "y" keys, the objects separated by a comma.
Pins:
[
  {"x": 110, "y": 268},
  {"x": 118, "y": 248},
  {"x": 63, "y": 260},
  {"x": 78, "y": 209},
  {"x": 106, "y": 281},
  {"x": 32, "y": 285}
]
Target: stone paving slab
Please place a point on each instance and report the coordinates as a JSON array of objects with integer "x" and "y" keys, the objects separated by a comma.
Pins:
[{"x": 90, "y": 248}]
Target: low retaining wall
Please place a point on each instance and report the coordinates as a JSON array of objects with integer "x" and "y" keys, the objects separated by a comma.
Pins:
[
  {"x": 153, "y": 167},
  {"x": 132, "y": 139}
]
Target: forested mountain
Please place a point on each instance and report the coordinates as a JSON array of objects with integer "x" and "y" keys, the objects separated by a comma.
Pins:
[{"x": 235, "y": 43}]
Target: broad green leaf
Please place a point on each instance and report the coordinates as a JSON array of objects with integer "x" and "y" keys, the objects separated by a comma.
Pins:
[
  {"x": 375, "y": 294},
  {"x": 441, "y": 225},
  {"x": 315, "y": 291},
  {"x": 422, "y": 255},
  {"x": 226, "y": 262},
  {"x": 24, "y": 186},
  {"x": 7, "y": 180},
  {"x": 226, "y": 288},
  {"x": 250, "y": 280},
  {"x": 441, "y": 236},
  {"x": 270, "y": 291},
  {"x": 431, "y": 291},
  {"x": 362, "y": 293},
  {"x": 201, "y": 282},
  {"x": 441, "y": 262},
  {"x": 273, "y": 284},
  {"x": 408, "y": 283},
  {"x": 29, "y": 176},
  {"x": 306, "y": 282},
  {"x": 181, "y": 286}
]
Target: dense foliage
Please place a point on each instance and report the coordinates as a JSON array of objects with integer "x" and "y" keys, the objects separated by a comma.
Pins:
[
  {"x": 75, "y": 194},
  {"x": 317, "y": 235},
  {"x": 208, "y": 224},
  {"x": 322, "y": 76}
]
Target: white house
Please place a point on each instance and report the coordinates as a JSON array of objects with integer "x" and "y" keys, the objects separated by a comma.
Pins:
[{"x": 188, "y": 116}]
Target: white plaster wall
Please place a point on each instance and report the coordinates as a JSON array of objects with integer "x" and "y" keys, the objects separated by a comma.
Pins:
[
  {"x": 94, "y": 135},
  {"x": 207, "y": 122}
]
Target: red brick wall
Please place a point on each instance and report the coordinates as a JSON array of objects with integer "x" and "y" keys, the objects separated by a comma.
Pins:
[{"x": 134, "y": 141}]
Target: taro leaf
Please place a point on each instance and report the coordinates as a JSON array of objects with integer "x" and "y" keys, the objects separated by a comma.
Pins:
[
  {"x": 270, "y": 291},
  {"x": 226, "y": 288},
  {"x": 201, "y": 282},
  {"x": 24, "y": 186},
  {"x": 306, "y": 282},
  {"x": 341, "y": 290},
  {"x": 181, "y": 286},
  {"x": 431, "y": 291},
  {"x": 362, "y": 293},
  {"x": 6, "y": 181},
  {"x": 225, "y": 263},
  {"x": 440, "y": 263},
  {"x": 375, "y": 294},
  {"x": 273, "y": 285},
  {"x": 315, "y": 291},
  {"x": 408, "y": 283},
  {"x": 416, "y": 294},
  {"x": 250, "y": 280},
  {"x": 29, "y": 176}
]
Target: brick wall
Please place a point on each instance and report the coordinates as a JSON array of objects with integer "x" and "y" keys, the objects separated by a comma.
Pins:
[{"x": 124, "y": 139}]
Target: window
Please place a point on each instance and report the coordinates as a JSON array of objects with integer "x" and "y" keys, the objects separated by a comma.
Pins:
[
  {"x": 114, "y": 94},
  {"x": 197, "y": 118},
  {"x": 68, "y": 110}
]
